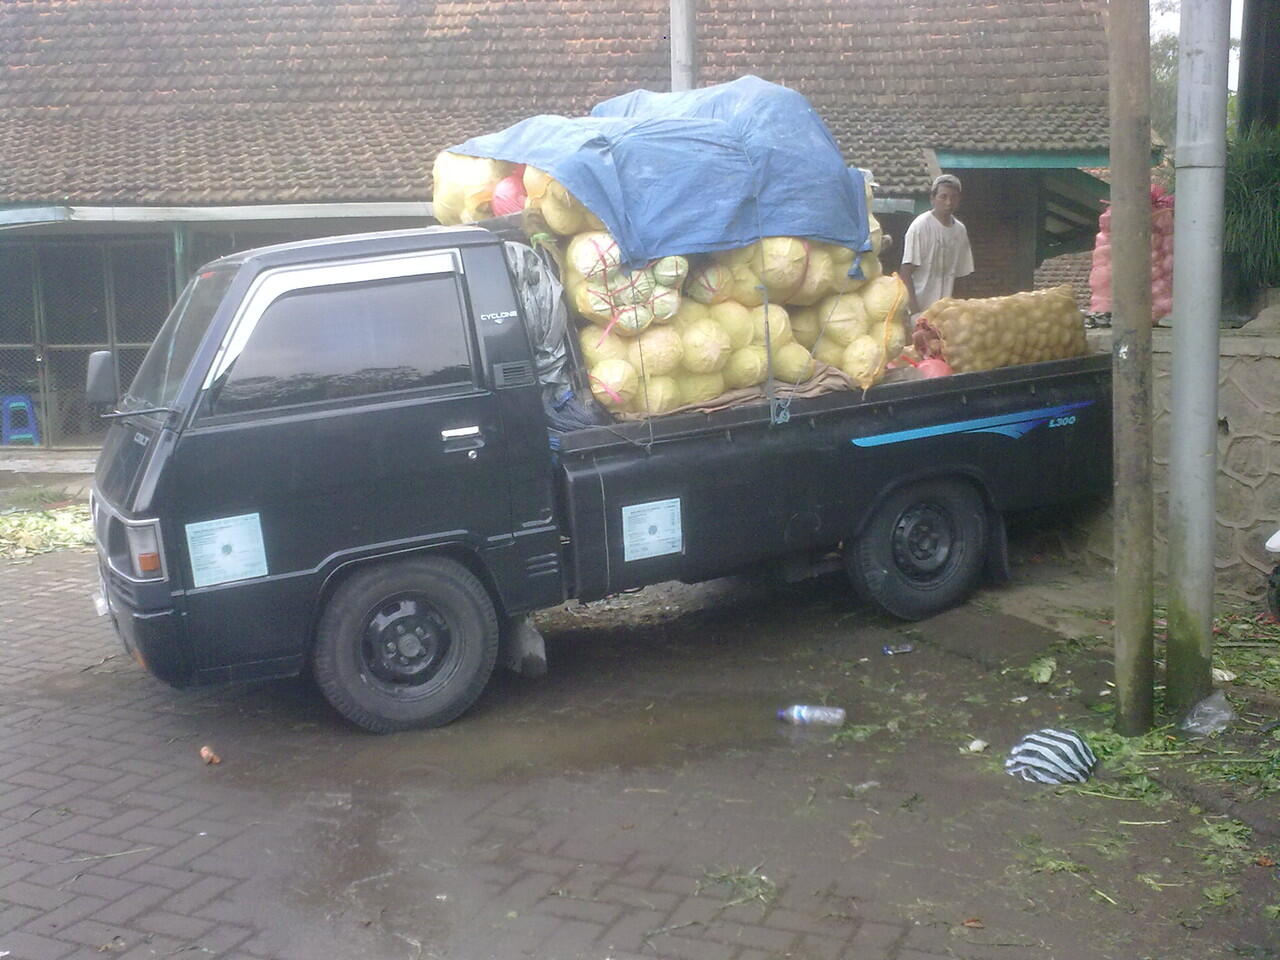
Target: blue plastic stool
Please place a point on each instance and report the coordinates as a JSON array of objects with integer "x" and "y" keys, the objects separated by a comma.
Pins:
[{"x": 27, "y": 432}]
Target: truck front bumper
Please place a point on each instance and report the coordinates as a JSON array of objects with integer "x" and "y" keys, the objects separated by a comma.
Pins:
[{"x": 152, "y": 637}]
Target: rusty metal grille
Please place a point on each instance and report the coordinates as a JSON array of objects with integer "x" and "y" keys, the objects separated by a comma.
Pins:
[{"x": 74, "y": 295}]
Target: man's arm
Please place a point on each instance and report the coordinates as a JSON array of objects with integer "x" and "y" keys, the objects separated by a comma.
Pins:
[
  {"x": 965, "y": 265},
  {"x": 911, "y": 257},
  {"x": 906, "y": 271}
]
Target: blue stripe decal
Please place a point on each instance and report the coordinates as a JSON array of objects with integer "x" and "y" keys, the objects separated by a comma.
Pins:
[{"x": 1013, "y": 425}]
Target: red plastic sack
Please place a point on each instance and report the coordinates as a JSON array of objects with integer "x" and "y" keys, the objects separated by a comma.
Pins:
[{"x": 509, "y": 195}]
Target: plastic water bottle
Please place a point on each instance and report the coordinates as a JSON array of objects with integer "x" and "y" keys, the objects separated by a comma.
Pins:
[{"x": 802, "y": 715}]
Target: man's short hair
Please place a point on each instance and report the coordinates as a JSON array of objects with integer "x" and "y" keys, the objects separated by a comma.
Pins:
[{"x": 945, "y": 180}]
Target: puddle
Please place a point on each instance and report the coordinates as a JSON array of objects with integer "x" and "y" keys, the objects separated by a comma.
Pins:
[{"x": 497, "y": 745}]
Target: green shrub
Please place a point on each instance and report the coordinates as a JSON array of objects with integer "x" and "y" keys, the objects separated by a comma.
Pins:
[{"x": 1252, "y": 223}]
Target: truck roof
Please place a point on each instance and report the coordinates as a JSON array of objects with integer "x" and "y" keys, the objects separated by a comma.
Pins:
[{"x": 346, "y": 245}]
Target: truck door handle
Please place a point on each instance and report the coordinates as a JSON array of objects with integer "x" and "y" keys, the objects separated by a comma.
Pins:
[
  {"x": 459, "y": 439},
  {"x": 457, "y": 433}
]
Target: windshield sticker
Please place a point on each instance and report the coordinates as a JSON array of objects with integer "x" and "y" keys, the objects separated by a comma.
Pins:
[
  {"x": 226, "y": 550},
  {"x": 651, "y": 530}
]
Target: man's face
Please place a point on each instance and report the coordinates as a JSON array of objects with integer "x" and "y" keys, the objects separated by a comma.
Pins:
[{"x": 946, "y": 199}]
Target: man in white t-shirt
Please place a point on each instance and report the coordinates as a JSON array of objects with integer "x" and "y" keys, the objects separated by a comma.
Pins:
[{"x": 936, "y": 248}]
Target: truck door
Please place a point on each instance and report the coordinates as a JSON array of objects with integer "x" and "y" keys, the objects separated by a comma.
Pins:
[{"x": 343, "y": 418}]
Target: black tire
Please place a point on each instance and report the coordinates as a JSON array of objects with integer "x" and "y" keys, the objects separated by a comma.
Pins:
[
  {"x": 922, "y": 550},
  {"x": 407, "y": 644}
]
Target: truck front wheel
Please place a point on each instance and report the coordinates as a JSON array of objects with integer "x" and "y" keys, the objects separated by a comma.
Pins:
[
  {"x": 407, "y": 644},
  {"x": 922, "y": 550}
]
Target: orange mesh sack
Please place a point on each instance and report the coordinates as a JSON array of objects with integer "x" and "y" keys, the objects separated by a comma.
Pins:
[{"x": 972, "y": 335}]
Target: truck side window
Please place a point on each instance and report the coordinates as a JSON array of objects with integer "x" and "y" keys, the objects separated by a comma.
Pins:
[{"x": 350, "y": 340}]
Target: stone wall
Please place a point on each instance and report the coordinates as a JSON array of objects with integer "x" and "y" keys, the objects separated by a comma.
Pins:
[{"x": 1248, "y": 489}]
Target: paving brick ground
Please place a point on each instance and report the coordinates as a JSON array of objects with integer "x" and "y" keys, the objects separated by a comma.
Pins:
[
  {"x": 313, "y": 840},
  {"x": 584, "y": 816}
]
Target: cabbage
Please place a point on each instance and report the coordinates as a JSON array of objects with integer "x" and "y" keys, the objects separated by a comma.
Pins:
[
  {"x": 535, "y": 184},
  {"x": 781, "y": 265},
  {"x": 664, "y": 302},
  {"x": 594, "y": 255},
  {"x": 699, "y": 387},
  {"x": 630, "y": 320},
  {"x": 562, "y": 219},
  {"x": 690, "y": 311},
  {"x": 863, "y": 361},
  {"x": 882, "y": 296},
  {"x": 589, "y": 299},
  {"x": 829, "y": 352},
  {"x": 631, "y": 288},
  {"x": 745, "y": 286},
  {"x": 614, "y": 383},
  {"x": 818, "y": 278},
  {"x": 792, "y": 363},
  {"x": 748, "y": 254},
  {"x": 891, "y": 335},
  {"x": 804, "y": 325},
  {"x": 709, "y": 284},
  {"x": 462, "y": 186},
  {"x": 779, "y": 326},
  {"x": 842, "y": 259},
  {"x": 746, "y": 367},
  {"x": 656, "y": 352},
  {"x": 598, "y": 345},
  {"x": 842, "y": 317},
  {"x": 871, "y": 267},
  {"x": 706, "y": 347},
  {"x": 656, "y": 395},
  {"x": 670, "y": 271},
  {"x": 564, "y": 213},
  {"x": 736, "y": 321}
]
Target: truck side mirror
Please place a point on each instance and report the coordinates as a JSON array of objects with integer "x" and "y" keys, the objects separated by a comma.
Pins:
[{"x": 100, "y": 379}]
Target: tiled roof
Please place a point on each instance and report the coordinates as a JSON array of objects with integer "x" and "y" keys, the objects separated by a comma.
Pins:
[
  {"x": 1072, "y": 268},
  {"x": 253, "y": 101}
]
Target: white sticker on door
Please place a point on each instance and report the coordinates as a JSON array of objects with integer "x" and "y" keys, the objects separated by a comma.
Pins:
[
  {"x": 651, "y": 530},
  {"x": 226, "y": 550}
]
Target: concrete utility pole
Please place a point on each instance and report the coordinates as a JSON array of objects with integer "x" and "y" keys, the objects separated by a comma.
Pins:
[
  {"x": 1130, "y": 77},
  {"x": 684, "y": 73},
  {"x": 1200, "y": 158}
]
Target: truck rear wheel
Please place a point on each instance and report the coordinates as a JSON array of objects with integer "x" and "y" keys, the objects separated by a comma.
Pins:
[
  {"x": 922, "y": 550},
  {"x": 407, "y": 644}
]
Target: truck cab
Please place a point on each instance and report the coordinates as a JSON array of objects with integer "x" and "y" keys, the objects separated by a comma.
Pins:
[{"x": 311, "y": 410}]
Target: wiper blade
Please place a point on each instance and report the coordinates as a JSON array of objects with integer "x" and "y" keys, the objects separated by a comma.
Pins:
[{"x": 117, "y": 414}]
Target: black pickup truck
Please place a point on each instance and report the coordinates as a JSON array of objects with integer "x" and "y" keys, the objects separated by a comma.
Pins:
[{"x": 335, "y": 457}]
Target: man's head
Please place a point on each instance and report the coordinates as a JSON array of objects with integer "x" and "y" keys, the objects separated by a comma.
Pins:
[{"x": 945, "y": 196}]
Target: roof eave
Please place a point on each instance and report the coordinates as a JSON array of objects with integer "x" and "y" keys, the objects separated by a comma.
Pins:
[{"x": 16, "y": 217}]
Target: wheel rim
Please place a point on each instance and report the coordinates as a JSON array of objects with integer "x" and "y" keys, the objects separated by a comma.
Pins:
[
  {"x": 407, "y": 646},
  {"x": 924, "y": 540}
]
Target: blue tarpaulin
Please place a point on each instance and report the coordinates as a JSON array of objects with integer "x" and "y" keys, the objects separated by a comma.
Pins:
[{"x": 692, "y": 172}]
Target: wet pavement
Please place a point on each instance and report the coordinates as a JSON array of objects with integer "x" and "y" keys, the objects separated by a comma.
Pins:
[{"x": 639, "y": 801}]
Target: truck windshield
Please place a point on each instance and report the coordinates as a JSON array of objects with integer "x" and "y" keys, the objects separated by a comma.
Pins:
[{"x": 165, "y": 364}]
